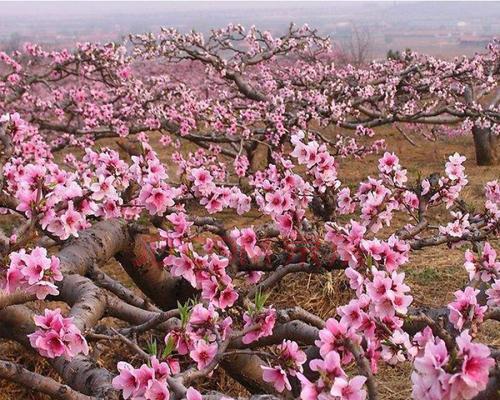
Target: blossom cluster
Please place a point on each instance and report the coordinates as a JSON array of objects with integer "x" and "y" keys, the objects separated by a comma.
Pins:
[
  {"x": 229, "y": 108},
  {"x": 57, "y": 336},
  {"x": 34, "y": 272},
  {"x": 148, "y": 382},
  {"x": 439, "y": 375},
  {"x": 289, "y": 360}
]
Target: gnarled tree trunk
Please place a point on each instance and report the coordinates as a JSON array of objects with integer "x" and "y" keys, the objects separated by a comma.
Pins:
[{"x": 485, "y": 143}]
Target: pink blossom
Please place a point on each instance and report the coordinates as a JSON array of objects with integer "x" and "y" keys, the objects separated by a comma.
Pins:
[
  {"x": 201, "y": 177},
  {"x": 330, "y": 366},
  {"x": 193, "y": 394},
  {"x": 332, "y": 338},
  {"x": 274, "y": 203},
  {"x": 484, "y": 268},
  {"x": 57, "y": 336},
  {"x": 264, "y": 321},
  {"x": 429, "y": 377},
  {"x": 71, "y": 222},
  {"x": 388, "y": 163},
  {"x": 285, "y": 225},
  {"x": 247, "y": 240},
  {"x": 227, "y": 297},
  {"x": 157, "y": 390},
  {"x": 344, "y": 202},
  {"x": 126, "y": 381},
  {"x": 103, "y": 188},
  {"x": 493, "y": 294},
  {"x": 34, "y": 272},
  {"x": 203, "y": 353},
  {"x": 277, "y": 377},
  {"x": 349, "y": 389},
  {"x": 473, "y": 376},
  {"x": 465, "y": 309}
]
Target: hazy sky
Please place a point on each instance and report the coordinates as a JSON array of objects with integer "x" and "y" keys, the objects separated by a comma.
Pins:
[
  {"x": 390, "y": 23},
  {"x": 195, "y": 13}
]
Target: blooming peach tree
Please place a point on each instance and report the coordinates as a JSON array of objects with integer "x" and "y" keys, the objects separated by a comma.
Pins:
[{"x": 84, "y": 182}]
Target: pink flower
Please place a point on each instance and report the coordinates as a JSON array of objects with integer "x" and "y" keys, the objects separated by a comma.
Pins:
[
  {"x": 301, "y": 152},
  {"x": 180, "y": 223},
  {"x": 193, "y": 394},
  {"x": 493, "y": 294},
  {"x": 36, "y": 265},
  {"x": 332, "y": 338},
  {"x": 472, "y": 378},
  {"x": 388, "y": 293},
  {"x": 157, "y": 390},
  {"x": 144, "y": 374},
  {"x": 454, "y": 168},
  {"x": 157, "y": 199},
  {"x": 352, "y": 314},
  {"x": 274, "y": 203},
  {"x": 75, "y": 342},
  {"x": 356, "y": 280},
  {"x": 203, "y": 353},
  {"x": 49, "y": 344},
  {"x": 264, "y": 320},
  {"x": 52, "y": 319},
  {"x": 285, "y": 225},
  {"x": 277, "y": 377},
  {"x": 344, "y": 202},
  {"x": 349, "y": 390},
  {"x": 126, "y": 381},
  {"x": 57, "y": 336},
  {"x": 33, "y": 272},
  {"x": 247, "y": 240},
  {"x": 146, "y": 382},
  {"x": 292, "y": 356},
  {"x": 201, "y": 177},
  {"x": 465, "y": 309},
  {"x": 227, "y": 297},
  {"x": 429, "y": 377},
  {"x": 182, "y": 266},
  {"x": 485, "y": 268},
  {"x": 103, "y": 188},
  {"x": 309, "y": 390},
  {"x": 400, "y": 345},
  {"x": 388, "y": 163},
  {"x": 202, "y": 316},
  {"x": 71, "y": 222},
  {"x": 330, "y": 366}
]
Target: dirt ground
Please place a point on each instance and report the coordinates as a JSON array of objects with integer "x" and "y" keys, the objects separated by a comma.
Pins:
[{"x": 433, "y": 273}]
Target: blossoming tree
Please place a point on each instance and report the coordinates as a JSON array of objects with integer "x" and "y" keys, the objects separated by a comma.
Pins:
[{"x": 202, "y": 284}]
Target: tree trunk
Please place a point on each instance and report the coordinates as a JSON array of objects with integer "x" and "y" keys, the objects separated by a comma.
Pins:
[
  {"x": 485, "y": 143},
  {"x": 141, "y": 265}
]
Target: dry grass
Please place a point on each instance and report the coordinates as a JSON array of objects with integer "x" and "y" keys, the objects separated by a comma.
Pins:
[{"x": 434, "y": 273}]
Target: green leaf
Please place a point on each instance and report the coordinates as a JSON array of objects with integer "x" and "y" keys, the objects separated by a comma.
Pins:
[
  {"x": 153, "y": 347},
  {"x": 184, "y": 311},
  {"x": 169, "y": 347},
  {"x": 260, "y": 300}
]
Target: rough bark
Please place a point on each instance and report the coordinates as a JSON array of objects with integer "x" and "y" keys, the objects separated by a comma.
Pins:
[
  {"x": 87, "y": 300},
  {"x": 486, "y": 145},
  {"x": 246, "y": 369},
  {"x": 95, "y": 246},
  {"x": 18, "y": 297},
  {"x": 16, "y": 373},
  {"x": 141, "y": 265},
  {"x": 294, "y": 330}
]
